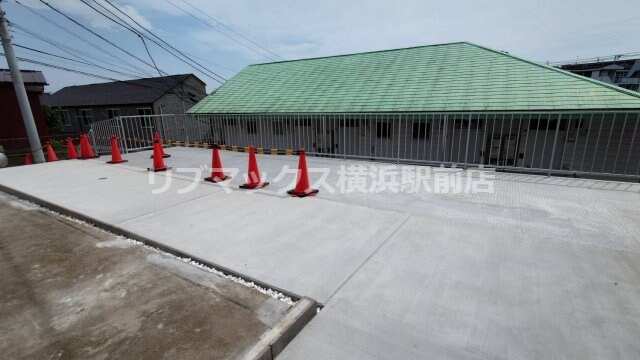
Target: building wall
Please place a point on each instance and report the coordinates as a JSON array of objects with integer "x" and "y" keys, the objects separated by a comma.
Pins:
[
  {"x": 604, "y": 143},
  {"x": 75, "y": 120},
  {"x": 11, "y": 123},
  {"x": 182, "y": 97},
  {"x": 600, "y": 142},
  {"x": 623, "y": 73}
]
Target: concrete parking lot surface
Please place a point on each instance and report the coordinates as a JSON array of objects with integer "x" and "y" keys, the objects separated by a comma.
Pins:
[
  {"x": 72, "y": 291},
  {"x": 462, "y": 292},
  {"x": 539, "y": 267}
]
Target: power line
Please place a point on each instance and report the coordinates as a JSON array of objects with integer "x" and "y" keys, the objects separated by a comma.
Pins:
[
  {"x": 64, "y": 48},
  {"x": 140, "y": 35},
  {"x": 128, "y": 27},
  {"x": 74, "y": 60},
  {"x": 211, "y": 62},
  {"x": 169, "y": 45},
  {"x": 65, "y": 69},
  {"x": 90, "y": 43},
  {"x": 221, "y": 32},
  {"x": 205, "y": 72},
  {"x": 150, "y": 57},
  {"x": 80, "y": 72},
  {"x": 95, "y": 33},
  {"x": 232, "y": 30},
  {"x": 201, "y": 68}
]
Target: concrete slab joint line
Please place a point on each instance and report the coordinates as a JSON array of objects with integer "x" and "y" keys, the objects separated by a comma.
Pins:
[
  {"x": 274, "y": 340},
  {"x": 368, "y": 258}
]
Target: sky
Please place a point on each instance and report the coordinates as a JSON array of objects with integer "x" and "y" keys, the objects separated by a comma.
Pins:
[{"x": 224, "y": 36}]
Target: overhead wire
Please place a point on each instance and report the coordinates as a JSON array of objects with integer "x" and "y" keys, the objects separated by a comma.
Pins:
[
  {"x": 74, "y": 60},
  {"x": 89, "y": 63},
  {"x": 88, "y": 42},
  {"x": 163, "y": 44},
  {"x": 128, "y": 27},
  {"x": 98, "y": 76},
  {"x": 62, "y": 47},
  {"x": 232, "y": 30},
  {"x": 221, "y": 32},
  {"x": 95, "y": 33}
]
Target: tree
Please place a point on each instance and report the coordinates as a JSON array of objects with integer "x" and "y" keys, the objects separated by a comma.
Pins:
[{"x": 53, "y": 117}]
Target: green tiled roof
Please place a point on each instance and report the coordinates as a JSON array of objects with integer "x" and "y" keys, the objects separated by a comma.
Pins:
[{"x": 448, "y": 77}]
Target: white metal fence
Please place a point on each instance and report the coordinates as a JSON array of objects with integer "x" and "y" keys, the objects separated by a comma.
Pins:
[{"x": 597, "y": 143}]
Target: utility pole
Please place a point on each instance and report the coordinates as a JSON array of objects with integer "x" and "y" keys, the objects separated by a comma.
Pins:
[{"x": 21, "y": 92}]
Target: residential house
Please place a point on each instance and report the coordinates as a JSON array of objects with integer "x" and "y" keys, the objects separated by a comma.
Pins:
[
  {"x": 84, "y": 104},
  {"x": 11, "y": 123}
]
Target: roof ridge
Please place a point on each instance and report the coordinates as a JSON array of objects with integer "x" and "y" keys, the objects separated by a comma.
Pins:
[
  {"x": 593, "y": 81},
  {"x": 127, "y": 81},
  {"x": 361, "y": 53}
]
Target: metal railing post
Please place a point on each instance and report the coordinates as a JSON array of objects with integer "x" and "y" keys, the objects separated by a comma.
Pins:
[
  {"x": 125, "y": 148},
  {"x": 445, "y": 129},
  {"x": 553, "y": 150},
  {"x": 399, "y": 141},
  {"x": 466, "y": 150}
]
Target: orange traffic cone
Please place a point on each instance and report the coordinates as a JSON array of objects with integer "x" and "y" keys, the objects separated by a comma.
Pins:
[
  {"x": 302, "y": 188},
  {"x": 254, "y": 173},
  {"x": 157, "y": 137},
  {"x": 51, "y": 155},
  {"x": 116, "y": 157},
  {"x": 216, "y": 168},
  {"x": 71, "y": 149},
  {"x": 158, "y": 163},
  {"x": 86, "y": 152},
  {"x": 27, "y": 159}
]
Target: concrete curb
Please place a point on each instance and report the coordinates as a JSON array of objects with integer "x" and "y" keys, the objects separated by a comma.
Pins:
[
  {"x": 131, "y": 235},
  {"x": 273, "y": 341}
]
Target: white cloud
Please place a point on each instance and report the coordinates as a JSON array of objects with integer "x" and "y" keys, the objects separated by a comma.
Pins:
[
  {"x": 543, "y": 29},
  {"x": 85, "y": 14},
  {"x": 540, "y": 29}
]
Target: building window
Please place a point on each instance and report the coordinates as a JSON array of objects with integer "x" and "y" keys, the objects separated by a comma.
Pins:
[
  {"x": 252, "y": 127},
  {"x": 459, "y": 124},
  {"x": 146, "y": 113},
  {"x": 87, "y": 116},
  {"x": 383, "y": 130},
  {"x": 421, "y": 130},
  {"x": 66, "y": 118},
  {"x": 619, "y": 76},
  {"x": 279, "y": 128},
  {"x": 584, "y": 73},
  {"x": 581, "y": 123},
  {"x": 302, "y": 122},
  {"x": 349, "y": 122},
  {"x": 113, "y": 113},
  {"x": 546, "y": 124}
]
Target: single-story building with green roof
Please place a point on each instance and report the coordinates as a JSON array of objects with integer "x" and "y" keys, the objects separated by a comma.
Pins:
[{"x": 455, "y": 104}]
